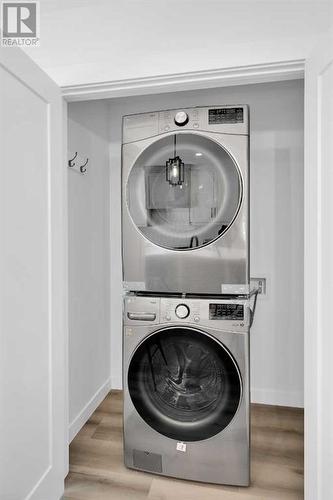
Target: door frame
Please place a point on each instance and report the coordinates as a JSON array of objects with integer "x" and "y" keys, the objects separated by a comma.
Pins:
[{"x": 225, "y": 77}]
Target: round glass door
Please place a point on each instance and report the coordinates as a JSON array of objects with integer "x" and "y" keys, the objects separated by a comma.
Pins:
[
  {"x": 184, "y": 191},
  {"x": 184, "y": 384}
]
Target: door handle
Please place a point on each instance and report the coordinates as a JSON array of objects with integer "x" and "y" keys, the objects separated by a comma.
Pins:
[{"x": 141, "y": 316}]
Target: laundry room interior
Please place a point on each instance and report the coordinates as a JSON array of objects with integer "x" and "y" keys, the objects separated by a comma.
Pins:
[
  {"x": 166, "y": 257},
  {"x": 276, "y": 228}
]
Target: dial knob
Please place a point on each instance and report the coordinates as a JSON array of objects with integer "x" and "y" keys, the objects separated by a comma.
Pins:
[
  {"x": 181, "y": 118},
  {"x": 182, "y": 311}
]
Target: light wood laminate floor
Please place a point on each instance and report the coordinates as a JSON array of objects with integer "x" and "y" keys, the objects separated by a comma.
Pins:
[{"x": 97, "y": 471}]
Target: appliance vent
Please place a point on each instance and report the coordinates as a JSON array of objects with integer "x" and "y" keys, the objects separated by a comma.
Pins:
[{"x": 148, "y": 461}]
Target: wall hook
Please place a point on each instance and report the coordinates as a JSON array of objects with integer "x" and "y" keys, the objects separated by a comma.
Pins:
[
  {"x": 71, "y": 162},
  {"x": 83, "y": 167}
]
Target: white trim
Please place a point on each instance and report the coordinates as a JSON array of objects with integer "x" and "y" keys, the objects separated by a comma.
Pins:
[
  {"x": 318, "y": 279},
  {"x": 116, "y": 381},
  {"x": 86, "y": 412},
  {"x": 39, "y": 483},
  {"x": 259, "y": 73},
  {"x": 66, "y": 267},
  {"x": 277, "y": 398}
]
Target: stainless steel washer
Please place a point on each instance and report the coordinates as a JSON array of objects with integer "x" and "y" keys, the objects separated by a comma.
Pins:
[
  {"x": 186, "y": 387},
  {"x": 185, "y": 200}
]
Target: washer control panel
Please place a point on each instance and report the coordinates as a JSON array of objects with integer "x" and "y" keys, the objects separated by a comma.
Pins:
[{"x": 220, "y": 314}]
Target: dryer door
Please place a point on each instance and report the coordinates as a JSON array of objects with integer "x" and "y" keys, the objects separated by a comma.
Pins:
[
  {"x": 184, "y": 191},
  {"x": 184, "y": 384}
]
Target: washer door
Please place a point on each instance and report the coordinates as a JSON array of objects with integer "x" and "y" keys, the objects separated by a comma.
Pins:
[
  {"x": 184, "y": 384},
  {"x": 184, "y": 191}
]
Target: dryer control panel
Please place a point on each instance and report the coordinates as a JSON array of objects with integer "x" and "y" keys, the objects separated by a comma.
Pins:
[{"x": 219, "y": 119}]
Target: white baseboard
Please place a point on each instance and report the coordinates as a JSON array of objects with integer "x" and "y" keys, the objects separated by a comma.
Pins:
[
  {"x": 76, "y": 425},
  {"x": 116, "y": 382},
  {"x": 279, "y": 398}
]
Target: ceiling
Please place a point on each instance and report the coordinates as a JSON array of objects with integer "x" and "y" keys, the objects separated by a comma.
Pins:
[{"x": 87, "y": 42}]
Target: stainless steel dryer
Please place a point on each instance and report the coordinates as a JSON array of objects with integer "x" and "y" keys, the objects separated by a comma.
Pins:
[
  {"x": 185, "y": 200},
  {"x": 186, "y": 387}
]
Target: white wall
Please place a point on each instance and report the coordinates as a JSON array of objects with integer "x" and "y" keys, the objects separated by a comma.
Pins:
[
  {"x": 113, "y": 40},
  {"x": 276, "y": 116},
  {"x": 89, "y": 262}
]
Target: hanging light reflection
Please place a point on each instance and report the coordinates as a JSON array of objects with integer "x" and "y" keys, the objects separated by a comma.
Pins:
[{"x": 175, "y": 169}]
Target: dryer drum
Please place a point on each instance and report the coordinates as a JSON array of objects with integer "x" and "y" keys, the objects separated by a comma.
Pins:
[{"x": 184, "y": 384}]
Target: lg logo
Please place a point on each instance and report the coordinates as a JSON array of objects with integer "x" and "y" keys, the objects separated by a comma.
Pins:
[{"x": 19, "y": 23}]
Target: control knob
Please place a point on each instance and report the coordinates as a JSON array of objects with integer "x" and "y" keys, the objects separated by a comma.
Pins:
[
  {"x": 182, "y": 311},
  {"x": 181, "y": 118}
]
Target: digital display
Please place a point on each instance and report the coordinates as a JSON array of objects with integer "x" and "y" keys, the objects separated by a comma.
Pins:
[
  {"x": 226, "y": 311},
  {"x": 219, "y": 116}
]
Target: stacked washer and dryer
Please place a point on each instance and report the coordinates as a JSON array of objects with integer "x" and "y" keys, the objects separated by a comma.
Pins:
[{"x": 185, "y": 226}]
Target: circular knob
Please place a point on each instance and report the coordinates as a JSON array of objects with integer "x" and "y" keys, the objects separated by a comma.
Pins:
[
  {"x": 182, "y": 311},
  {"x": 168, "y": 317},
  {"x": 181, "y": 118},
  {"x": 196, "y": 319}
]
